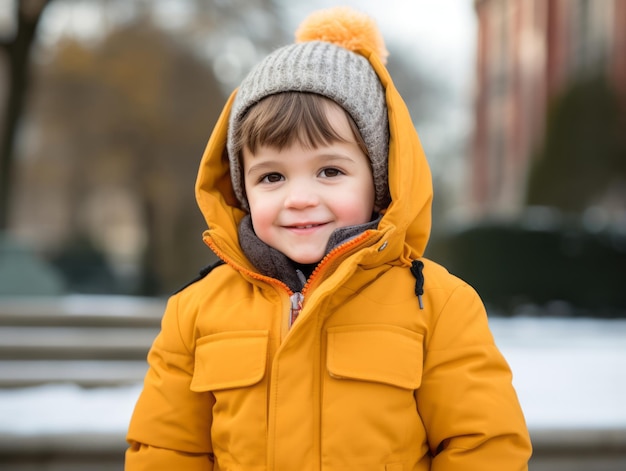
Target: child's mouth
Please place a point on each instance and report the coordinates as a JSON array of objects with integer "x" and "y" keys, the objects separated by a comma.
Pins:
[{"x": 305, "y": 226}]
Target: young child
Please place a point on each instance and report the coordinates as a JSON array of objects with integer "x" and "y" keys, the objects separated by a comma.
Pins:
[{"x": 320, "y": 343}]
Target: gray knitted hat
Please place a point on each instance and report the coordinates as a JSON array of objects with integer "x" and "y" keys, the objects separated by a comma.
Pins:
[{"x": 330, "y": 70}]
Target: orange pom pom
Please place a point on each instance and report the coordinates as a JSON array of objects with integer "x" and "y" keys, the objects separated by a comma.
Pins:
[{"x": 344, "y": 27}]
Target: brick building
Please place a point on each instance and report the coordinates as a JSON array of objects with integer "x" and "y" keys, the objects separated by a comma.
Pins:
[{"x": 528, "y": 51}]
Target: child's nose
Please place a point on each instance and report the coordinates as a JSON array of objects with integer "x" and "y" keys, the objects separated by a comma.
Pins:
[{"x": 301, "y": 195}]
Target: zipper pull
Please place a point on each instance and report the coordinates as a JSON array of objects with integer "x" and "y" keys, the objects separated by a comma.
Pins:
[
  {"x": 301, "y": 277},
  {"x": 296, "y": 306}
]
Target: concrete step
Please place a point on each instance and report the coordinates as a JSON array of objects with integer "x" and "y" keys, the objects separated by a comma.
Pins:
[
  {"x": 86, "y": 373},
  {"x": 62, "y": 452},
  {"x": 90, "y": 341},
  {"x": 112, "y": 311},
  {"x": 105, "y": 343}
]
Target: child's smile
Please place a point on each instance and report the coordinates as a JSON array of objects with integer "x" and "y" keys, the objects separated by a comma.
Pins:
[{"x": 304, "y": 228}]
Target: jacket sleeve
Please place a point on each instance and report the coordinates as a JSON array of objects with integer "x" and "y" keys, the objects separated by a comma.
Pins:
[
  {"x": 170, "y": 426},
  {"x": 466, "y": 400}
]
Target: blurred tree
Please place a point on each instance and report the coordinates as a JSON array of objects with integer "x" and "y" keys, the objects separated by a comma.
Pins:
[
  {"x": 116, "y": 127},
  {"x": 131, "y": 115},
  {"x": 584, "y": 151},
  {"x": 16, "y": 48}
]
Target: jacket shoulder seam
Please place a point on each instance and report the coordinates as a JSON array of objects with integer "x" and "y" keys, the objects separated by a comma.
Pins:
[{"x": 203, "y": 273}]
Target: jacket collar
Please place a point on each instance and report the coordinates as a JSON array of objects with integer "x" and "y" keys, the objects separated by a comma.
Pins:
[{"x": 270, "y": 262}]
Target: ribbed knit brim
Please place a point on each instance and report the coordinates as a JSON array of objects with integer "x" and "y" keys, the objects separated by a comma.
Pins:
[{"x": 328, "y": 70}]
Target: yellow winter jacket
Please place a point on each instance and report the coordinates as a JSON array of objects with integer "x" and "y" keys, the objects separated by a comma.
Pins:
[{"x": 364, "y": 380}]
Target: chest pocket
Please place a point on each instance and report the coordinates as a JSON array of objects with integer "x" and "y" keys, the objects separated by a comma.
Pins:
[
  {"x": 385, "y": 354},
  {"x": 230, "y": 360}
]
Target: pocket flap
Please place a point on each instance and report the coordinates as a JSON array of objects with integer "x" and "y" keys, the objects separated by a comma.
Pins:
[
  {"x": 380, "y": 353},
  {"x": 229, "y": 360}
]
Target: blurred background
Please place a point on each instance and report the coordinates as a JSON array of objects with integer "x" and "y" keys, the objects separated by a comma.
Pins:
[
  {"x": 105, "y": 109},
  {"x": 109, "y": 104}
]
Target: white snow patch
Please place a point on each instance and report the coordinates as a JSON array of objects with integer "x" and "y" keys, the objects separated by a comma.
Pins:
[{"x": 568, "y": 373}]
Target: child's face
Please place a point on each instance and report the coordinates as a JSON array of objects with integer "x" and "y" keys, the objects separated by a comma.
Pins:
[{"x": 299, "y": 196}]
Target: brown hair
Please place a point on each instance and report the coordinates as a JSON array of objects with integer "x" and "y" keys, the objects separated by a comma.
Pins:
[{"x": 280, "y": 120}]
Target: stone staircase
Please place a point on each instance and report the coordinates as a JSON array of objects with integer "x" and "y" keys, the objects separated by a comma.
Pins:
[
  {"x": 96, "y": 343},
  {"x": 84, "y": 341}
]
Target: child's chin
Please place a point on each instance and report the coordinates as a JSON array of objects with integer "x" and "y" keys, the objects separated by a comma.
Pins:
[{"x": 307, "y": 260}]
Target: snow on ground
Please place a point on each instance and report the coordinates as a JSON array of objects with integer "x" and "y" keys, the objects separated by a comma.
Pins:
[
  {"x": 62, "y": 408},
  {"x": 569, "y": 373}
]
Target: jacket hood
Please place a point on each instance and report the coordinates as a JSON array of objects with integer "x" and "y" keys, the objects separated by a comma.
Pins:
[{"x": 406, "y": 222}]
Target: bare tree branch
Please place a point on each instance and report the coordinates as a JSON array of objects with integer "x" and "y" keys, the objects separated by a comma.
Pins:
[{"x": 17, "y": 58}]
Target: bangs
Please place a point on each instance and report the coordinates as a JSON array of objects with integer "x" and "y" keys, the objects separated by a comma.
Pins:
[{"x": 281, "y": 120}]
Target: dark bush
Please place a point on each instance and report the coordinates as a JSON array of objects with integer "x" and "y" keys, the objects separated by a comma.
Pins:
[{"x": 511, "y": 265}]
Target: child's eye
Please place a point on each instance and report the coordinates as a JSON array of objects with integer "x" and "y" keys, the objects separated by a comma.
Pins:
[
  {"x": 271, "y": 178},
  {"x": 330, "y": 172}
]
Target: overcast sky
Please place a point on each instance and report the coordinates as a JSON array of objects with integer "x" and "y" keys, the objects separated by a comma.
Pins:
[{"x": 442, "y": 32}]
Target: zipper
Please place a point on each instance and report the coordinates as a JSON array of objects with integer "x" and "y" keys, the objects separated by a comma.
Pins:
[
  {"x": 241, "y": 268},
  {"x": 338, "y": 253},
  {"x": 334, "y": 257},
  {"x": 296, "y": 306},
  {"x": 296, "y": 299}
]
